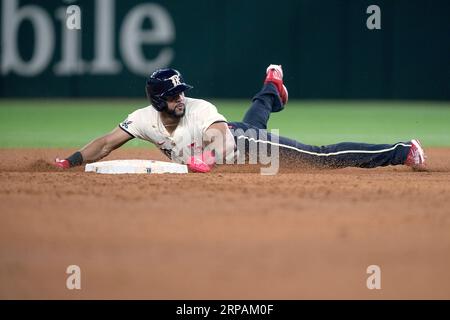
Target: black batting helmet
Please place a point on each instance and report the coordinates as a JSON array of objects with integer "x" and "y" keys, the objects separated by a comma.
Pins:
[{"x": 164, "y": 83}]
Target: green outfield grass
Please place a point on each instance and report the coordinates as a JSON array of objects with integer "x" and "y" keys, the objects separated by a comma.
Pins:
[{"x": 72, "y": 123}]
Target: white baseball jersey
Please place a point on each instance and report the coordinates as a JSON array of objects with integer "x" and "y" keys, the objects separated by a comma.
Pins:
[{"x": 146, "y": 124}]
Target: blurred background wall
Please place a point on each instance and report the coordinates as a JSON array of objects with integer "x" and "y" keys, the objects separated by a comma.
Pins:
[{"x": 223, "y": 47}]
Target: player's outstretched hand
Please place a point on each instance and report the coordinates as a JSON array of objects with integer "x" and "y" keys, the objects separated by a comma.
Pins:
[
  {"x": 63, "y": 164},
  {"x": 201, "y": 164}
]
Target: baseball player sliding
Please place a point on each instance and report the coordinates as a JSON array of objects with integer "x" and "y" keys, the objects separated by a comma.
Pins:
[{"x": 193, "y": 132}]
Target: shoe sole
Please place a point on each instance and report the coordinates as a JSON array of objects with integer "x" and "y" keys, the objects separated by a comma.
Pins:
[
  {"x": 287, "y": 93},
  {"x": 421, "y": 166},
  {"x": 420, "y": 149},
  {"x": 276, "y": 67}
]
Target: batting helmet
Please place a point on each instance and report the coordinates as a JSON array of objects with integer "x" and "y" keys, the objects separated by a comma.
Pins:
[{"x": 164, "y": 83}]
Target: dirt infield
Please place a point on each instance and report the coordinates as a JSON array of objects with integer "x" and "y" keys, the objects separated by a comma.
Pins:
[{"x": 231, "y": 234}]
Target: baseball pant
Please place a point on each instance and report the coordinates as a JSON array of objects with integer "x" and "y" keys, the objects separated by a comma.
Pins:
[{"x": 253, "y": 129}]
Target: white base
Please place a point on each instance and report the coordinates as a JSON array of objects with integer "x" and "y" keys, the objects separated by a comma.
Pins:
[{"x": 135, "y": 166}]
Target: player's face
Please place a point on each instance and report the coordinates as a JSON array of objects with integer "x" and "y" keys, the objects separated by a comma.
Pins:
[{"x": 176, "y": 105}]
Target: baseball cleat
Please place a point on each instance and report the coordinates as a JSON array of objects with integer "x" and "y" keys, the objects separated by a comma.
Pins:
[
  {"x": 416, "y": 156},
  {"x": 274, "y": 74}
]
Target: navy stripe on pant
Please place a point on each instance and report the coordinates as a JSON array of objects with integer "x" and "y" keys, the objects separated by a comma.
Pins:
[{"x": 346, "y": 154}]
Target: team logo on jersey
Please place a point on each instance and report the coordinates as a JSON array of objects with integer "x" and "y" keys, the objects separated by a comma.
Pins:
[
  {"x": 175, "y": 80},
  {"x": 126, "y": 123}
]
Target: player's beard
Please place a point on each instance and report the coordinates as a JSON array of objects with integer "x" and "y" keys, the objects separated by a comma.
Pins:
[{"x": 175, "y": 113}]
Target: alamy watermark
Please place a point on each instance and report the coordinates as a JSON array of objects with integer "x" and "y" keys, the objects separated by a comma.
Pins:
[
  {"x": 261, "y": 147},
  {"x": 73, "y": 281},
  {"x": 374, "y": 20},
  {"x": 251, "y": 146},
  {"x": 73, "y": 16},
  {"x": 374, "y": 280}
]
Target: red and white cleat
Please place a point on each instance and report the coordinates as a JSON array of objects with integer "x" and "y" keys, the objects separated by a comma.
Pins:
[
  {"x": 274, "y": 74},
  {"x": 416, "y": 156}
]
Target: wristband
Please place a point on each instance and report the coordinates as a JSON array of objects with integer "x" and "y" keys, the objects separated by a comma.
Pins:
[{"x": 76, "y": 159}]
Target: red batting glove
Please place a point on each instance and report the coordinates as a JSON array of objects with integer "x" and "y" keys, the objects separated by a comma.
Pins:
[
  {"x": 203, "y": 164},
  {"x": 63, "y": 164}
]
